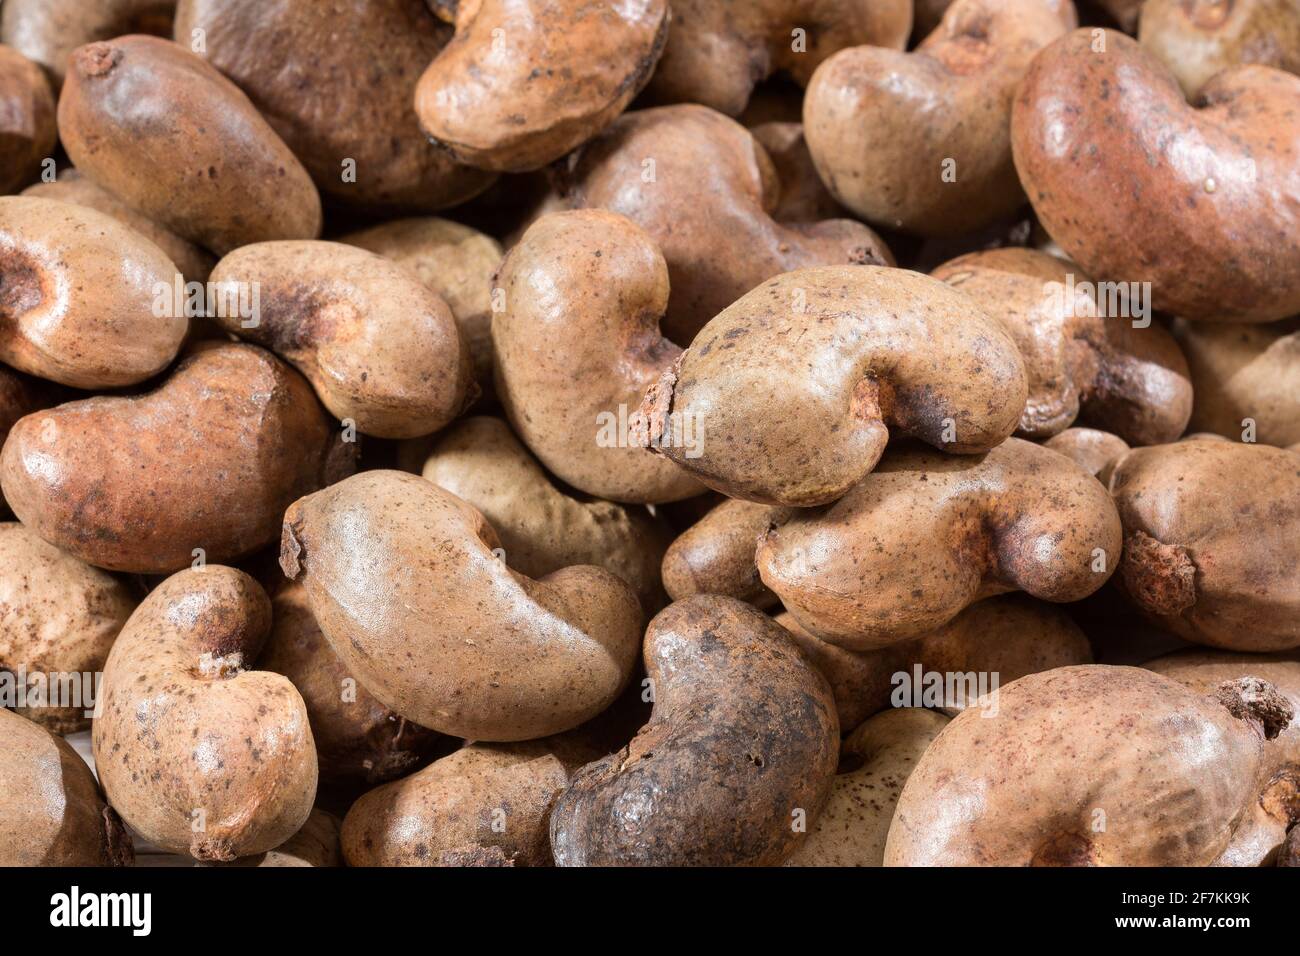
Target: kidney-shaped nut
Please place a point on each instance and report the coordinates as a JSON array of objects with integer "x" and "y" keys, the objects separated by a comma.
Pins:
[
  {"x": 716, "y": 554},
  {"x": 198, "y": 752},
  {"x": 1245, "y": 379},
  {"x": 52, "y": 813},
  {"x": 1081, "y": 766},
  {"x": 58, "y": 619},
  {"x": 577, "y": 343},
  {"x": 381, "y": 349},
  {"x": 315, "y": 845},
  {"x": 402, "y": 579},
  {"x": 1137, "y": 186},
  {"x": 77, "y": 296},
  {"x": 541, "y": 528},
  {"x": 208, "y": 460},
  {"x": 719, "y": 51},
  {"x": 1096, "y": 452},
  {"x": 525, "y": 81},
  {"x": 803, "y": 195},
  {"x": 1198, "y": 38},
  {"x": 179, "y": 143},
  {"x": 926, "y": 534},
  {"x": 875, "y": 761},
  {"x": 706, "y": 192},
  {"x": 736, "y": 761},
  {"x": 921, "y": 141},
  {"x": 789, "y": 395},
  {"x": 1212, "y": 541},
  {"x": 28, "y": 130},
  {"x": 1088, "y": 352},
  {"x": 989, "y": 644}
]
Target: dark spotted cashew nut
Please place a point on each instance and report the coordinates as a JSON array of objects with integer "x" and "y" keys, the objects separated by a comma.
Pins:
[
  {"x": 921, "y": 141},
  {"x": 577, "y": 343},
  {"x": 1137, "y": 186},
  {"x": 53, "y": 813},
  {"x": 402, "y": 579},
  {"x": 1212, "y": 541},
  {"x": 1096, "y": 452},
  {"x": 28, "y": 130},
  {"x": 525, "y": 81},
  {"x": 718, "y": 51},
  {"x": 316, "y": 844},
  {"x": 1088, "y": 354},
  {"x": 707, "y": 193},
  {"x": 877, "y": 349},
  {"x": 735, "y": 763},
  {"x": 927, "y": 534},
  {"x": 983, "y": 794},
  {"x": 199, "y": 753},
  {"x": 716, "y": 554}
]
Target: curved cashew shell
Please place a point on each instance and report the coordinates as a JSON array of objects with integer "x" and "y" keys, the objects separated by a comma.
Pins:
[
  {"x": 716, "y": 554},
  {"x": 1096, "y": 452},
  {"x": 198, "y": 753},
  {"x": 316, "y": 844},
  {"x": 402, "y": 580},
  {"x": 890, "y": 349},
  {"x": 28, "y": 130},
  {"x": 742, "y": 743}
]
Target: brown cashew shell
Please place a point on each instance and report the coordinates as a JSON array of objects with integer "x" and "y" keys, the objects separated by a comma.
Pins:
[
  {"x": 741, "y": 746},
  {"x": 804, "y": 197},
  {"x": 541, "y": 528},
  {"x": 921, "y": 141},
  {"x": 315, "y": 845},
  {"x": 381, "y": 349},
  {"x": 1096, "y": 452},
  {"x": 1212, "y": 541},
  {"x": 200, "y": 754},
  {"x": 53, "y": 813},
  {"x": 178, "y": 142},
  {"x": 706, "y": 191},
  {"x": 716, "y": 554},
  {"x": 719, "y": 51},
  {"x": 927, "y": 534},
  {"x": 1083, "y": 362},
  {"x": 983, "y": 794},
  {"x": 28, "y": 130},
  {"x": 1003, "y": 637},
  {"x": 891, "y": 349},
  {"x": 209, "y": 459},
  {"x": 1138, "y": 186},
  {"x": 577, "y": 344},
  {"x": 77, "y": 296},
  {"x": 525, "y": 81},
  {"x": 401, "y": 577}
]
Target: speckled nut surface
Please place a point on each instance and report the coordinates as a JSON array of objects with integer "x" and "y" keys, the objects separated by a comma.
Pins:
[
  {"x": 525, "y": 81},
  {"x": 334, "y": 80},
  {"x": 453, "y": 260},
  {"x": 193, "y": 262},
  {"x": 402, "y": 579},
  {"x": 1088, "y": 354},
  {"x": 1212, "y": 541},
  {"x": 920, "y": 141},
  {"x": 1243, "y": 375},
  {"x": 48, "y": 31},
  {"x": 875, "y": 761},
  {"x": 1198, "y": 38},
  {"x": 706, "y": 192},
  {"x": 577, "y": 343},
  {"x": 316, "y": 844},
  {"x": 716, "y": 554},
  {"x": 178, "y": 142},
  {"x": 1137, "y": 186},
  {"x": 27, "y": 126},
  {"x": 209, "y": 459},
  {"x": 983, "y": 794},
  {"x": 718, "y": 50},
  {"x": 198, "y": 752},
  {"x": 359, "y": 741},
  {"x": 484, "y": 805},
  {"x": 741, "y": 747},
  {"x": 381, "y": 349},
  {"x": 1008, "y": 636},
  {"x": 927, "y": 534},
  {"x": 891, "y": 349},
  {"x": 1095, "y": 451},
  {"x": 53, "y": 813},
  {"x": 58, "y": 615},
  {"x": 77, "y": 296},
  {"x": 542, "y": 528}
]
